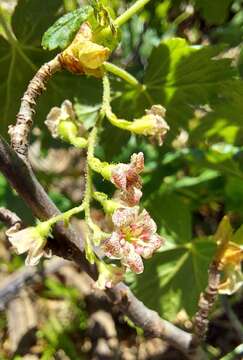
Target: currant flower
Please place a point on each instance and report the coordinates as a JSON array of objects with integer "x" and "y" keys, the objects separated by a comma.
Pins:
[
  {"x": 126, "y": 178},
  {"x": 56, "y": 115},
  {"x": 134, "y": 237},
  {"x": 152, "y": 124},
  {"x": 32, "y": 240},
  {"x": 109, "y": 275},
  {"x": 61, "y": 123}
]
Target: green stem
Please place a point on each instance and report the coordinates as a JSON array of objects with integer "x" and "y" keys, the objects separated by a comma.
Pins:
[
  {"x": 70, "y": 5},
  {"x": 123, "y": 74},
  {"x": 128, "y": 14},
  {"x": 122, "y": 19},
  {"x": 182, "y": 17},
  {"x": 90, "y": 155},
  {"x": 66, "y": 215},
  {"x": 106, "y": 107}
]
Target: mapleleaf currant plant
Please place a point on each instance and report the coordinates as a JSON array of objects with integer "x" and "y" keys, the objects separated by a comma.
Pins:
[
  {"x": 134, "y": 232},
  {"x": 87, "y": 38}
]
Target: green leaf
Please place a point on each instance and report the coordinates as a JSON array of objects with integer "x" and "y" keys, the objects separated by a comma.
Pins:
[
  {"x": 224, "y": 231},
  {"x": 234, "y": 194},
  {"x": 231, "y": 32},
  {"x": 87, "y": 114},
  {"x": 62, "y": 32},
  {"x": 183, "y": 78},
  {"x": 238, "y": 236},
  {"x": 172, "y": 215},
  {"x": 216, "y": 11},
  {"x": 31, "y": 18},
  {"x": 173, "y": 279}
]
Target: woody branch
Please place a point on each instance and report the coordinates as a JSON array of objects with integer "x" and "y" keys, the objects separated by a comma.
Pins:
[{"x": 69, "y": 245}]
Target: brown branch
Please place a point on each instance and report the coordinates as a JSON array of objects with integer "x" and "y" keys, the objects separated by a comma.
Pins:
[
  {"x": 9, "y": 218},
  {"x": 206, "y": 301},
  {"x": 19, "y": 133},
  {"x": 69, "y": 245}
]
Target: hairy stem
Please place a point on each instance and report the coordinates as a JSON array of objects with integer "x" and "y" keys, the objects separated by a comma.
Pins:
[
  {"x": 106, "y": 107},
  {"x": 90, "y": 155},
  {"x": 66, "y": 215}
]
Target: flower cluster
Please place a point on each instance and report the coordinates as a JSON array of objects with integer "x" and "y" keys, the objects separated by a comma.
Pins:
[
  {"x": 134, "y": 234},
  {"x": 134, "y": 237}
]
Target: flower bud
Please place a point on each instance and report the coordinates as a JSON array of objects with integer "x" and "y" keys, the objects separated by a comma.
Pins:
[
  {"x": 109, "y": 205},
  {"x": 109, "y": 275},
  {"x": 60, "y": 122},
  {"x": 152, "y": 124},
  {"x": 84, "y": 56},
  {"x": 126, "y": 177},
  {"x": 65, "y": 112}
]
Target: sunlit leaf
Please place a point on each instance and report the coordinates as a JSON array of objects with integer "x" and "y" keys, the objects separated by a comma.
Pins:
[
  {"x": 62, "y": 32},
  {"x": 173, "y": 279}
]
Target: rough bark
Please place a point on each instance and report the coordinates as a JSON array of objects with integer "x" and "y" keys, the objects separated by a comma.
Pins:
[{"x": 19, "y": 133}]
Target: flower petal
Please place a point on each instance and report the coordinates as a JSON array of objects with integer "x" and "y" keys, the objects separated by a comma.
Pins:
[
  {"x": 35, "y": 253},
  {"x": 112, "y": 246},
  {"x": 124, "y": 216},
  {"x": 23, "y": 239}
]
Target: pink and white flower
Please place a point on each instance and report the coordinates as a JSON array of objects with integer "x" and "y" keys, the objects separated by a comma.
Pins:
[
  {"x": 126, "y": 177},
  {"x": 134, "y": 237}
]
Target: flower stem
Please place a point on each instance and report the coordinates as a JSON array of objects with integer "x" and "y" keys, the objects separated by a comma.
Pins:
[
  {"x": 106, "y": 107},
  {"x": 123, "y": 74},
  {"x": 70, "y": 5},
  {"x": 134, "y": 9},
  {"x": 66, "y": 215},
  {"x": 90, "y": 155},
  {"x": 122, "y": 19}
]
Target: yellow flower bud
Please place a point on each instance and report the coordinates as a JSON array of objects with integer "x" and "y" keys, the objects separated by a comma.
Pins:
[
  {"x": 152, "y": 124},
  {"x": 84, "y": 56}
]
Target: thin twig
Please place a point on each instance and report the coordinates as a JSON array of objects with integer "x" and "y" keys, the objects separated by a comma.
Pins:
[
  {"x": 19, "y": 133},
  {"x": 9, "y": 218},
  {"x": 206, "y": 301}
]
